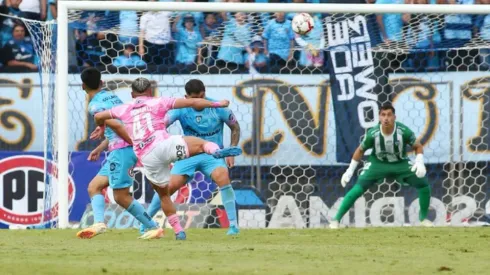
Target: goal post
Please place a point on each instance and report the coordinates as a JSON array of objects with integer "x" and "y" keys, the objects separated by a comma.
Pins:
[
  {"x": 63, "y": 85},
  {"x": 268, "y": 7}
]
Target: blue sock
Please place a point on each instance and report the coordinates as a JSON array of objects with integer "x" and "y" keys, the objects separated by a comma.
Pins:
[
  {"x": 154, "y": 206},
  {"x": 228, "y": 199},
  {"x": 138, "y": 211},
  {"x": 98, "y": 207}
]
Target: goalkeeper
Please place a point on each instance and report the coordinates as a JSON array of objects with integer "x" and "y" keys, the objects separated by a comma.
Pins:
[{"x": 388, "y": 159}]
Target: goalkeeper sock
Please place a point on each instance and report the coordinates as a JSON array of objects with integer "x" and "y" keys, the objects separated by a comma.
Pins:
[
  {"x": 349, "y": 200},
  {"x": 228, "y": 199},
  {"x": 175, "y": 223},
  {"x": 98, "y": 207},
  {"x": 424, "y": 202},
  {"x": 154, "y": 206},
  {"x": 138, "y": 211}
]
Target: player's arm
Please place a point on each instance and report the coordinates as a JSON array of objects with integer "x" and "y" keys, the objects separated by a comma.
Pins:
[
  {"x": 366, "y": 144},
  {"x": 198, "y": 103},
  {"x": 418, "y": 148},
  {"x": 418, "y": 166},
  {"x": 102, "y": 146},
  {"x": 105, "y": 118},
  {"x": 357, "y": 156},
  {"x": 95, "y": 154},
  {"x": 119, "y": 129},
  {"x": 101, "y": 117},
  {"x": 171, "y": 117},
  {"x": 235, "y": 133},
  {"x": 229, "y": 118}
]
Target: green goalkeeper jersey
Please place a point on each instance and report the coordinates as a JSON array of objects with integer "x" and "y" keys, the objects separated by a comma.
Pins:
[{"x": 388, "y": 148}]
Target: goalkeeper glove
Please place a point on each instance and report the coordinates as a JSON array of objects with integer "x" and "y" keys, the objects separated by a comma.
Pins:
[
  {"x": 349, "y": 172},
  {"x": 419, "y": 167}
]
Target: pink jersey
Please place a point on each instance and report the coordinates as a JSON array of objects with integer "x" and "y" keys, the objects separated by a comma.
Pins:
[{"x": 143, "y": 120}]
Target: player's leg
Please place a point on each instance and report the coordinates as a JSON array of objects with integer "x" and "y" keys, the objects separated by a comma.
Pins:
[
  {"x": 123, "y": 197},
  {"x": 197, "y": 146},
  {"x": 156, "y": 169},
  {"x": 176, "y": 182},
  {"x": 169, "y": 210},
  {"x": 97, "y": 200},
  {"x": 218, "y": 171},
  {"x": 350, "y": 198},
  {"x": 370, "y": 174},
  {"x": 153, "y": 208},
  {"x": 181, "y": 171},
  {"x": 184, "y": 168},
  {"x": 121, "y": 164},
  {"x": 423, "y": 190}
]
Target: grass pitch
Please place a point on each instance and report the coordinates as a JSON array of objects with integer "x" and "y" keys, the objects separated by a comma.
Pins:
[{"x": 348, "y": 251}]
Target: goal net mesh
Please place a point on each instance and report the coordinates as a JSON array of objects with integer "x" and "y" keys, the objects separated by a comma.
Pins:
[{"x": 303, "y": 104}]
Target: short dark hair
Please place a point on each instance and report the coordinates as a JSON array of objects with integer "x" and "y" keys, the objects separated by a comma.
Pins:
[
  {"x": 387, "y": 106},
  {"x": 91, "y": 78},
  {"x": 194, "y": 86},
  {"x": 18, "y": 23}
]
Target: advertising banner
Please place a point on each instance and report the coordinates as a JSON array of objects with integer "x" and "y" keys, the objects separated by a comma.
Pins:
[
  {"x": 22, "y": 193},
  {"x": 354, "y": 85},
  {"x": 283, "y": 115}
]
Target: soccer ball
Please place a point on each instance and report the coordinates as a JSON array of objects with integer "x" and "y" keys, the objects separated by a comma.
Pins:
[{"x": 302, "y": 23}]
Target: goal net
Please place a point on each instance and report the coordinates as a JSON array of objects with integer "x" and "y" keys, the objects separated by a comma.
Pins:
[{"x": 303, "y": 103}]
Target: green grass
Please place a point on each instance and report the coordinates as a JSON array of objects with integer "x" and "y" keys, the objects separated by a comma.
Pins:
[{"x": 351, "y": 251}]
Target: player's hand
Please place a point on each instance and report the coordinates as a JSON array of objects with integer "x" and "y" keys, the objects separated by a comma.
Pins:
[
  {"x": 346, "y": 177},
  {"x": 224, "y": 103},
  {"x": 312, "y": 50},
  {"x": 94, "y": 155},
  {"x": 419, "y": 166},
  {"x": 97, "y": 133},
  {"x": 230, "y": 162}
]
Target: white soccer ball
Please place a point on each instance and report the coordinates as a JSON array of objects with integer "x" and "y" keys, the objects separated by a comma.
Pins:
[{"x": 302, "y": 23}]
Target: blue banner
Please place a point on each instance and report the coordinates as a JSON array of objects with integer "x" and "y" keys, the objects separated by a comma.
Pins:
[{"x": 354, "y": 84}]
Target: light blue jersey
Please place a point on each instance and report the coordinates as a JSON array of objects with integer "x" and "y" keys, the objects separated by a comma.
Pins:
[
  {"x": 102, "y": 101},
  {"x": 120, "y": 162},
  {"x": 235, "y": 38},
  {"x": 279, "y": 36},
  {"x": 188, "y": 44},
  {"x": 206, "y": 124},
  {"x": 392, "y": 22}
]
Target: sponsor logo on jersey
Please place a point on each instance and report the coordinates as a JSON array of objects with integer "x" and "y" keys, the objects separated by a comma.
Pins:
[
  {"x": 142, "y": 144},
  {"x": 180, "y": 152},
  {"x": 131, "y": 172},
  {"x": 192, "y": 132},
  {"x": 23, "y": 181}
]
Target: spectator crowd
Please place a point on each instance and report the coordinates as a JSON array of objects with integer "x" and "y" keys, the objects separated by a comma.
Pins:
[{"x": 205, "y": 42}]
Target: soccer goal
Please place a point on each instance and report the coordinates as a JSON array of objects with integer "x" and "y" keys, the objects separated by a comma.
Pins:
[{"x": 303, "y": 105}]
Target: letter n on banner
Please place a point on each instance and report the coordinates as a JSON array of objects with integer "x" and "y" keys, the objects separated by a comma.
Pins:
[{"x": 355, "y": 84}]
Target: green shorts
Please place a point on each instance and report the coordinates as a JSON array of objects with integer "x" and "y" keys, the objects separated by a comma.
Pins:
[{"x": 375, "y": 172}]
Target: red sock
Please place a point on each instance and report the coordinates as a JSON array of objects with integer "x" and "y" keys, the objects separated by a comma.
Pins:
[
  {"x": 210, "y": 147},
  {"x": 175, "y": 223}
]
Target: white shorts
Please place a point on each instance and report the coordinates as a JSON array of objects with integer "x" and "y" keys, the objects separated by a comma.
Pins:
[{"x": 156, "y": 163}]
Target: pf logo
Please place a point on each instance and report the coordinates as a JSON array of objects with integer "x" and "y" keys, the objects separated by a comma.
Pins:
[{"x": 22, "y": 190}]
